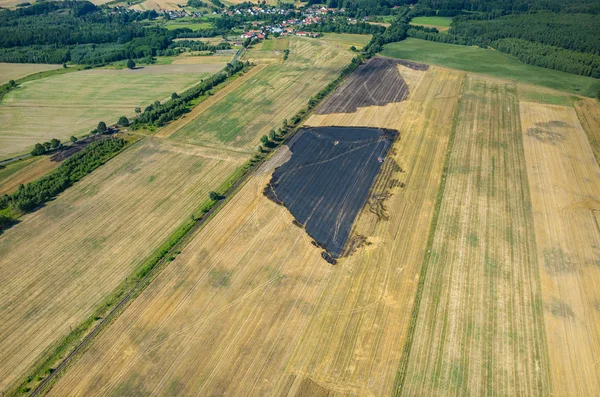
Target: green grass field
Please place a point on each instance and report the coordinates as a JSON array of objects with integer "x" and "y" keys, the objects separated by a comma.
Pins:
[
  {"x": 432, "y": 21},
  {"x": 74, "y": 103},
  {"x": 192, "y": 25},
  {"x": 490, "y": 62},
  {"x": 267, "y": 98},
  {"x": 279, "y": 44}
]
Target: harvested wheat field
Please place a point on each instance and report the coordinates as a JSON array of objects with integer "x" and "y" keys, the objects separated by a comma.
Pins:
[
  {"x": 15, "y": 71},
  {"x": 250, "y": 307},
  {"x": 265, "y": 99},
  {"x": 74, "y": 103},
  {"x": 588, "y": 112},
  {"x": 479, "y": 324},
  {"x": 564, "y": 178},
  {"x": 59, "y": 262},
  {"x": 24, "y": 171}
]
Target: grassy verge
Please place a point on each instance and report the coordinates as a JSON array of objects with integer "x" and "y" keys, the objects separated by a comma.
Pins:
[
  {"x": 6, "y": 88},
  {"x": 401, "y": 374},
  {"x": 490, "y": 62}
]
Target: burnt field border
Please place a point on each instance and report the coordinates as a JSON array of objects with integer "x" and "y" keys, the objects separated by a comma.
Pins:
[
  {"x": 59, "y": 356},
  {"x": 377, "y": 82},
  {"x": 329, "y": 179}
]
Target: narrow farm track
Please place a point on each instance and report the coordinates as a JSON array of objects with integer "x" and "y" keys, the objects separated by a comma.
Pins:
[
  {"x": 480, "y": 327},
  {"x": 131, "y": 205},
  {"x": 565, "y": 188}
]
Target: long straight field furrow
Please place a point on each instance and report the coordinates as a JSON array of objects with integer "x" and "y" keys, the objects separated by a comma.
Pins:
[
  {"x": 588, "y": 112},
  {"x": 565, "y": 189},
  {"x": 480, "y": 328}
]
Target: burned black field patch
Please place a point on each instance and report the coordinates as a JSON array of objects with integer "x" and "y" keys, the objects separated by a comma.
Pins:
[
  {"x": 328, "y": 178},
  {"x": 375, "y": 83}
]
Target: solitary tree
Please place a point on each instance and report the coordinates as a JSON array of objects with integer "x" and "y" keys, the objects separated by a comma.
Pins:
[
  {"x": 64, "y": 65},
  {"x": 138, "y": 110},
  {"x": 265, "y": 140},
  {"x": 38, "y": 150},
  {"x": 101, "y": 127},
  {"x": 73, "y": 139},
  {"x": 272, "y": 134},
  {"x": 130, "y": 64},
  {"x": 123, "y": 121},
  {"x": 353, "y": 49}
]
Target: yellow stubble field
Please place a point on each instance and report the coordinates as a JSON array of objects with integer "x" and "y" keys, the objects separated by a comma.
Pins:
[
  {"x": 60, "y": 261},
  {"x": 249, "y": 307},
  {"x": 564, "y": 178},
  {"x": 479, "y": 325}
]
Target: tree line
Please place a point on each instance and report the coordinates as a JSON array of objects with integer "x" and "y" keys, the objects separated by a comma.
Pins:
[
  {"x": 36, "y": 193},
  {"x": 158, "y": 114},
  {"x": 194, "y": 45}
]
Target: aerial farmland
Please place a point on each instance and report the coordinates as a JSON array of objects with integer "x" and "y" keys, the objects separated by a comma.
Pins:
[{"x": 297, "y": 200}]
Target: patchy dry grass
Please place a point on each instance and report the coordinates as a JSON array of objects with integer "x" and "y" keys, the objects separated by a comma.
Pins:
[
  {"x": 15, "y": 71},
  {"x": 479, "y": 326},
  {"x": 63, "y": 259}
]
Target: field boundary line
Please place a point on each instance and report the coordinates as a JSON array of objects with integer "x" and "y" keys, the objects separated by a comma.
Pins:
[
  {"x": 203, "y": 106},
  {"x": 402, "y": 367}
]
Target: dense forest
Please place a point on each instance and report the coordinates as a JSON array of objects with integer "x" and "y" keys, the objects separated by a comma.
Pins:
[
  {"x": 547, "y": 33},
  {"x": 75, "y": 31},
  {"x": 512, "y": 6}
]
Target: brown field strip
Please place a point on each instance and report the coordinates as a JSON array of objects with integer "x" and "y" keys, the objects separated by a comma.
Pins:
[
  {"x": 250, "y": 308},
  {"x": 176, "y": 125},
  {"x": 480, "y": 327},
  {"x": 62, "y": 260},
  {"x": 565, "y": 190}
]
